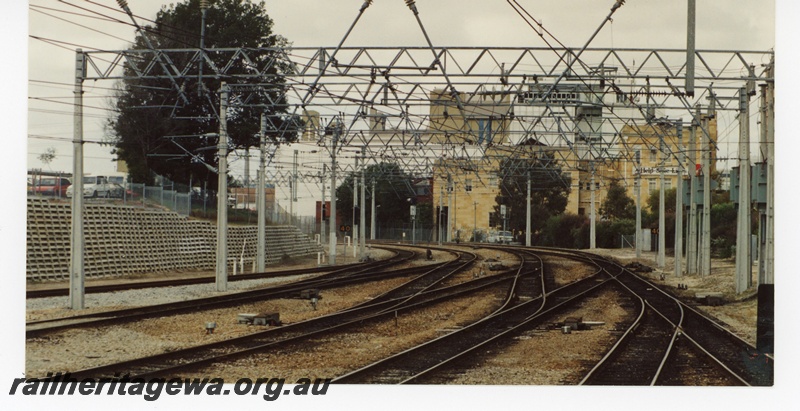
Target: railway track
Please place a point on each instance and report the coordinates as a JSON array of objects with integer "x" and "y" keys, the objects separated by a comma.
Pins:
[
  {"x": 138, "y": 285},
  {"x": 659, "y": 347},
  {"x": 337, "y": 278},
  {"x": 405, "y": 297},
  {"x": 419, "y": 363},
  {"x": 669, "y": 343}
]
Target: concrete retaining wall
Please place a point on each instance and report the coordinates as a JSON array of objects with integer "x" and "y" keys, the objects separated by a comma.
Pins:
[{"x": 123, "y": 240}]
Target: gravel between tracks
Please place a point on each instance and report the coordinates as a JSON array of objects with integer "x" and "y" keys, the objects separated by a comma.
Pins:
[
  {"x": 536, "y": 357},
  {"x": 549, "y": 357}
]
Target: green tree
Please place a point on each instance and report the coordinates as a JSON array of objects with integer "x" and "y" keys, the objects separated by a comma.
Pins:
[
  {"x": 549, "y": 191},
  {"x": 617, "y": 204},
  {"x": 566, "y": 231},
  {"x": 393, "y": 191},
  {"x": 148, "y": 110}
]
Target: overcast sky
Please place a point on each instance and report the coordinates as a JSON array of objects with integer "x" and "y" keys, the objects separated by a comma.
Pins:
[{"x": 721, "y": 24}]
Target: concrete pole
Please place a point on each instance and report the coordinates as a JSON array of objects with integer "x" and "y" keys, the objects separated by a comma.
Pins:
[
  {"x": 293, "y": 188},
  {"x": 592, "y": 212},
  {"x": 261, "y": 200},
  {"x": 247, "y": 174},
  {"x": 76, "y": 268},
  {"x": 679, "y": 205},
  {"x": 743, "y": 263},
  {"x": 528, "y": 214},
  {"x": 661, "y": 257},
  {"x": 691, "y": 241},
  {"x": 363, "y": 218},
  {"x": 762, "y": 212},
  {"x": 450, "y": 208},
  {"x": 332, "y": 222},
  {"x": 769, "y": 269},
  {"x": 355, "y": 203},
  {"x": 372, "y": 217},
  {"x": 705, "y": 269},
  {"x": 322, "y": 207},
  {"x": 413, "y": 230},
  {"x": 222, "y": 193},
  {"x": 474, "y": 221},
  {"x": 637, "y": 185},
  {"x": 439, "y": 217}
]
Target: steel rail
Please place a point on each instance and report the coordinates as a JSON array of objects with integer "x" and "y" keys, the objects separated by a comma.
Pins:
[
  {"x": 334, "y": 279},
  {"x": 257, "y": 342}
]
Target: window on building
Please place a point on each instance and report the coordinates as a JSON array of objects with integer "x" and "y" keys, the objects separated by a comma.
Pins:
[
  {"x": 492, "y": 181},
  {"x": 653, "y": 156},
  {"x": 651, "y": 185},
  {"x": 667, "y": 184},
  {"x": 468, "y": 185}
]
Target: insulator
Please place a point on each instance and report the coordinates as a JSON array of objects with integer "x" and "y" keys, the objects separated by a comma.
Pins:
[
  {"x": 410, "y": 3},
  {"x": 122, "y": 3},
  {"x": 203, "y": 4}
]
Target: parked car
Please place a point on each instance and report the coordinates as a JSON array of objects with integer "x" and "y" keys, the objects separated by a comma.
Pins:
[
  {"x": 98, "y": 186},
  {"x": 503, "y": 237},
  {"x": 50, "y": 186}
]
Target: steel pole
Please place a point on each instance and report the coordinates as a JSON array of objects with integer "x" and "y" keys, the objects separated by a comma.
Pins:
[{"x": 690, "y": 48}]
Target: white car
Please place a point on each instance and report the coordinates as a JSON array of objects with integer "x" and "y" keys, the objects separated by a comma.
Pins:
[
  {"x": 98, "y": 186},
  {"x": 503, "y": 237}
]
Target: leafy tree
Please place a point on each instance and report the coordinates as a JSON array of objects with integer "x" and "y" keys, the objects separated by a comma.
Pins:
[
  {"x": 669, "y": 202},
  {"x": 609, "y": 233},
  {"x": 617, "y": 204},
  {"x": 549, "y": 191},
  {"x": 566, "y": 231},
  {"x": 393, "y": 189},
  {"x": 148, "y": 110}
]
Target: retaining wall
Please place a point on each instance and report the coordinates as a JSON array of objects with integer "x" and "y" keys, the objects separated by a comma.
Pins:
[{"x": 123, "y": 240}]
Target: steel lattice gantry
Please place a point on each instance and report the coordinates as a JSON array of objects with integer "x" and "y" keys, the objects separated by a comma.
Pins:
[{"x": 444, "y": 110}]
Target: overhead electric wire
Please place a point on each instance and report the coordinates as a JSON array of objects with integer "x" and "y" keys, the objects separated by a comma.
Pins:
[{"x": 80, "y": 25}]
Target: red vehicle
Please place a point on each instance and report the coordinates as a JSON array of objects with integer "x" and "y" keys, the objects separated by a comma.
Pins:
[{"x": 51, "y": 186}]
